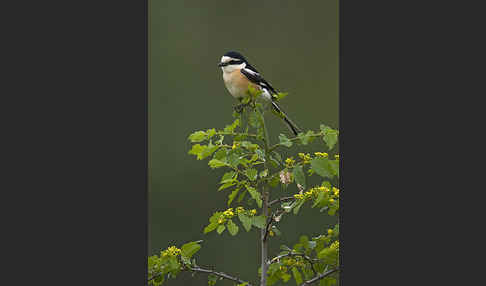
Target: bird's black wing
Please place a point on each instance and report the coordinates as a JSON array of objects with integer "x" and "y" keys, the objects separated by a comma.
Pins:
[{"x": 252, "y": 74}]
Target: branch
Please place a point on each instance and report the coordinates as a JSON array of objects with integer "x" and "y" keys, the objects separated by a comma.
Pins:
[
  {"x": 294, "y": 139},
  {"x": 291, "y": 253},
  {"x": 208, "y": 271},
  {"x": 283, "y": 199},
  {"x": 317, "y": 278},
  {"x": 220, "y": 274},
  {"x": 270, "y": 221}
]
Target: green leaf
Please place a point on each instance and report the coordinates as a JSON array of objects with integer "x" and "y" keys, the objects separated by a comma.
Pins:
[
  {"x": 228, "y": 177},
  {"x": 208, "y": 151},
  {"x": 319, "y": 199},
  {"x": 242, "y": 196},
  {"x": 281, "y": 95},
  {"x": 220, "y": 229},
  {"x": 321, "y": 167},
  {"x": 299, "y": 175},
  {"x": 227, "y": 185},
  {"x": 284, "y": 140},
  {"x": 210, "y": 227},
  {"x": 245, "y": 220},
  {"x": 211, "y": 132},
  {"x": 330, "y": 136},
  {"x": 190, "y": 248},
  {"x": 273, "y": 182},
  {"x": 264, "y": 173},
  {"x": 215, "y": 163},
  {"x": 259, "y": 221},
  {"x": 230, "y": 128},
  {"x": 232, "y": 227},
  {"x": 220, "y": 155},
  {"x": 334, "y": 167},
  {"x": 306, "y": 138},
  {"x": 255, "y": 195},
  {"x": 297, "y": 206},
  {"x": 252, "y": 174},
  {"x": 232, "y": 196},
  {"x": 212, "y": 279},
  {"x": 198, "y": 136},
  {"x": 297, "y": 276},
  {"x": 196, "y": 149}
]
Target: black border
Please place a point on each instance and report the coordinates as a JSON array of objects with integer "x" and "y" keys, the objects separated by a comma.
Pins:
[{"x": 80, "y": 141}]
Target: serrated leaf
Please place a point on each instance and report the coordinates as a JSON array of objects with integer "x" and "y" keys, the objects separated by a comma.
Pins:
[
  {"x": 299, "y": 175},
  {"x": 232, "y": 196},
  {"x": 245, "y": 220},
  {"x": 227, "y": 177},
  {"x": 319, "y": 199},
  {"x": 306, "y": 138},
  {"x": 330, "y": 136},
  {"x": 252, "y": 174},
  {"x": 190, "y": 248},
  {"x": 220, "y": 229},
  {"x": 220, "y": 155},
  {"x": 232, "y": 227},
  {"x": 334, "y": 166},
  {"x": 198, "y": 136},
  {"x": 297, "y": 205},
  {"x": 227, "y": 185},
  {"x": 230, "y": 128},
  {"x": 281, "y": 95},
  {"x": 242, "y": 196},
  {"x": 215, "y": 163},
  {"x": 259, "y": 221},
  {"x": 208, "y": 151},
  {"x": 210, "y": 227},
  {"x": 196, "y": 149},
  {"x": 297, "y": 276},
  {"x": 284, "y": 140},
  {"x": 321, "y": 167},
  {"x": 255, "y": 195}
]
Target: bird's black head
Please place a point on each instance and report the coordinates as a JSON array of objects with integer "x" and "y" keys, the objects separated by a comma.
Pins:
[
  {"x": 232, "y": 58},
  {"x": 235, "y": 55}
]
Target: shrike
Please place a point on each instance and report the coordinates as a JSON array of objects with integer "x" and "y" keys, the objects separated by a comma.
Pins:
[{"x": 238, "y": 75}]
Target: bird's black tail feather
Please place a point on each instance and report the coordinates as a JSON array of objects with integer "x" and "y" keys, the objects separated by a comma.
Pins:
[{"x": 287, "y": 120}]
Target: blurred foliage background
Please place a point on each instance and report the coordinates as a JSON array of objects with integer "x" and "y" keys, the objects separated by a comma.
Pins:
[{"x": 294, "y": 45}]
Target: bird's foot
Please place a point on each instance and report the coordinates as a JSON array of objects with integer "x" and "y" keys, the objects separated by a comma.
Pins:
[{"x": 239, "y": 108}]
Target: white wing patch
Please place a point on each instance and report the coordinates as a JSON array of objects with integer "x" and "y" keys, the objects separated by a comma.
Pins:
[{"x": 251, "y": 72}]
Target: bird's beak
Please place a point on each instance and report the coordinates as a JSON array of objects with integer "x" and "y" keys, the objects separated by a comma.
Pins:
[{"x": 221, "y": 64}]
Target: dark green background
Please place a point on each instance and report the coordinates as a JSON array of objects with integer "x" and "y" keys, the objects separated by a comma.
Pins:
[{"x": 294, "y": 45}]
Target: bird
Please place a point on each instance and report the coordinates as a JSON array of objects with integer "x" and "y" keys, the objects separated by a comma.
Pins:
[{"x": 238, "y": 75}]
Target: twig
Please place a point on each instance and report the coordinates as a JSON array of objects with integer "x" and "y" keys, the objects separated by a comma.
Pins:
[
  {"x": 293, "y": 139},
  {"x": 220, "y": 274},
  {"x": 208, "y": 271},
  {"x": 291, "y": 253},
  {"x": 317, "y": 278},
  {"x": 283, "y": 199},
  {"x": 270, "y": 221}
]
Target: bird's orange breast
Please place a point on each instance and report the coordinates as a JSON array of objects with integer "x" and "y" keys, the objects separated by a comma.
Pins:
[{"x": 237, "y": 83}]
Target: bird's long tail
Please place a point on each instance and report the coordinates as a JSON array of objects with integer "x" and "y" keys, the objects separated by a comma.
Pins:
[{"x": 287, "y": 120}]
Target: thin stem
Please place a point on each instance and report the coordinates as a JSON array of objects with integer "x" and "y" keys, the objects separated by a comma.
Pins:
[
  {"x": 220, "y": 274},
  {"x": 294, "y": 139},
  {"x": 265, "y": 206},
  {"x": 283, "y": 199},
  {"x": 317, "y": 278},
  {"x": 208, "y": 271},
  {"x": 291, "y": 253}
]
